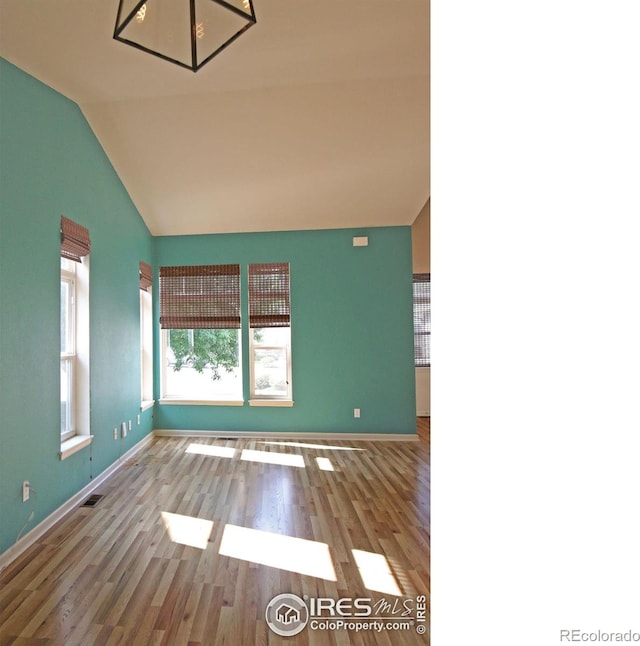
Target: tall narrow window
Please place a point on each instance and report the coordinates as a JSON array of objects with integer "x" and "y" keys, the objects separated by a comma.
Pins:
[
  {"x": 67, "y": 348},
  {"x": 270, "y": 333},
  {"x": 200, "y": 319},
  {"x": 74, "y": 337},
  {"x": 422, "y": 319},
  {"x": 146, "y": 335}
]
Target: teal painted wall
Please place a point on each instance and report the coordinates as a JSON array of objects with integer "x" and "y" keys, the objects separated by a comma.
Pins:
[
  {"x": 352, "y": 334},
  {"x": 352, "y": 330},
  {"x": 52, "y": 164}
]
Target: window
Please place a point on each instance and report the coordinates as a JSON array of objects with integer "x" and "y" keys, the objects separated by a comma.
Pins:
[
  {"x": 146, "y": 336},
  {"x": 269, "y": 333},
  {"x": 67, "y": 347},
  {"x": 74, "y": 338},
  {"x": 200, "y": 321},
  {"x": 422, "y": 319}
]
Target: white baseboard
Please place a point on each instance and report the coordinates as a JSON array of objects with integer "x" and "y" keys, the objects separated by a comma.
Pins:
[
  {"x": 370, "y": 437},
  {"x": 33, "y": 535}
]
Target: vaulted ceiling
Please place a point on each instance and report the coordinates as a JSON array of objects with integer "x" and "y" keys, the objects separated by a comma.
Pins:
[{"x": 317, "y": 117}]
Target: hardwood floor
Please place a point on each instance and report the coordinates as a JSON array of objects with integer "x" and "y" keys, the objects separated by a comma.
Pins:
[
  {"x": 424, "y": 429},
  {"x": 121, "y": 573}
]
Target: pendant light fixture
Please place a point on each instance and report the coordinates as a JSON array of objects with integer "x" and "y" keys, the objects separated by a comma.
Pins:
[{"x": 188, "y": 33}]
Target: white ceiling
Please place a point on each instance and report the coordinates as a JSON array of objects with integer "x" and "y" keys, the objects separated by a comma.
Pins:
[{"x": 317, "y": 117}]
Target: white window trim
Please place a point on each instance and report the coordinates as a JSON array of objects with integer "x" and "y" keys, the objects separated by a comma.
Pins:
[
  {"x": 146, "y": 349},
  {"x": 70, "y": 359},
  {"x": 74, "y": 444},
  {"x": 271, "y": 402},
  {"x": 81, "y": 437},
  {"x": 268, "y": 400},
  {"x": 177, "y": 401},
  {"x": 69, "y": 276}
]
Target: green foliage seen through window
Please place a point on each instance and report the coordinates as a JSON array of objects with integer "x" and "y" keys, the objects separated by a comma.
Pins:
[{"x": 200, "y": 349}]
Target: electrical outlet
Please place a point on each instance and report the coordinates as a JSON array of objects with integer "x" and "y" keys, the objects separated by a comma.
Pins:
[
  {"x": 138, "y": 419},
  {"x": 129, "y": 424},
  {"x": 115, "y": 433},
  {"x": 356, "y": 412},
  {"x": 124, "y": 429},
  {"x": 25, "y": 491}
]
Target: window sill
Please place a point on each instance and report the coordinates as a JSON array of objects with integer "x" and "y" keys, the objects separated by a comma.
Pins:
[
  {"x": 271, "y": 402},
  {"x": 74, "y": 444},
  {"x": 146, "y": 405},
  {"x": 201, "y": 402}
]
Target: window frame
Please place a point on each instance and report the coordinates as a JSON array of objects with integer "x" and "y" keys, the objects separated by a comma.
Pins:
[
  {"x": 422, "y": 328},
  {"x": 269, "y": 308},
  {"x": 79, "y": 436},
  {"x": 178, "y": 279},
  {"x": 68, "y": 276},
  {"x": 200, "y": 297},
  {"x": 256, "y": 398},
  {"x": 169, "y": 398},
  {"x": 146, "y": 349}
]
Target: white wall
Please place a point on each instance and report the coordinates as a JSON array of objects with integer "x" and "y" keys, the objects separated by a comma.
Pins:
[{"x": 421, "y": 243}]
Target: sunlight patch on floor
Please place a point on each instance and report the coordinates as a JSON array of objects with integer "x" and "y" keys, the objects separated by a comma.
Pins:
[
  {"x": 375, "y": 572},
  {"x": 325, "y": 464},
  {"x": 287, "y": 459},
  {"x": 187, "y": 530},
  {"x": 208, "y": 449},
  {"x": 402, "y": 577},
  {"x": 305, "y": 445},
  {"x": 275, "y": 550}
]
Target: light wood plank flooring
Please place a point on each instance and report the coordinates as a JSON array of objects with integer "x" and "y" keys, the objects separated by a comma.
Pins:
[
  {"x": 121, "y": 573},
  {"x": 424, "y": 429}
]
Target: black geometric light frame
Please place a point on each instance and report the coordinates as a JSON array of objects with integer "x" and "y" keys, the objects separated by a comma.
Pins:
[{"x": 188, "y": 33}]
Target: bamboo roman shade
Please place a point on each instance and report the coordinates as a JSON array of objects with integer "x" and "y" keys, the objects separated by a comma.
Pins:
[
  {"x": 146, "y": 276},
  {"x": 76, "y": 242},
  {"x": 422, "y": 319},
  {"x": 269, "y": 302},
  {"x": 200, "y": 297}
]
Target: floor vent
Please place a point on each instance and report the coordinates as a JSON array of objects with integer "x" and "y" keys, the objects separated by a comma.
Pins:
[{"x": 92, "y": 500}]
